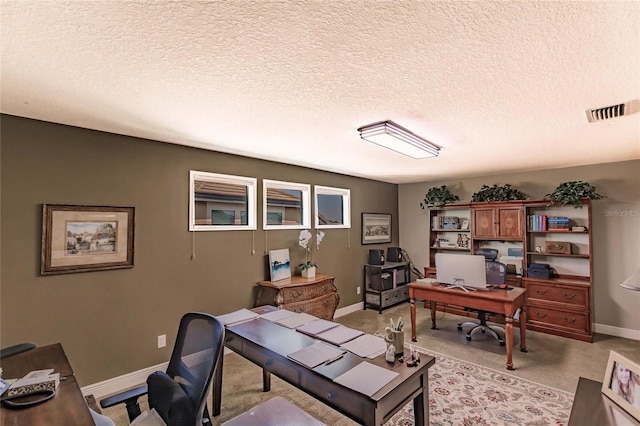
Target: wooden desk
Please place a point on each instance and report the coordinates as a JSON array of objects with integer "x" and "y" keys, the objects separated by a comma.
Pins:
[
  {"x": 592, "y": 407},
  {"x": 499, "y": 301},
  {"x": 267, "y": 344},
  {"x": 67, "y": 407}
]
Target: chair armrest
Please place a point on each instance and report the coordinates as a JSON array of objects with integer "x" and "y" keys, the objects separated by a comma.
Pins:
[{"x": 129, "y": 397}]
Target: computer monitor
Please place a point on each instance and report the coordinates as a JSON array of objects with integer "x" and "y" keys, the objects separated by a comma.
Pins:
[{"x": 461, "y": 270}]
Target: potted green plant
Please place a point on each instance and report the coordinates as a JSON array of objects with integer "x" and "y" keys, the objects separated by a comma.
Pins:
[
  {"x": 573, "y": 192},
  {"x": 305, "y": 240},
  {"x": 438, "y": 196},
  {"x": 496, "y": 193}
]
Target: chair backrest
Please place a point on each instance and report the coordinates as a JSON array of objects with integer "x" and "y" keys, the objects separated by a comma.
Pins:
[
  {"x": 496, "y": 272},
  {"x": 489, "y": 254},
  {"x": 196, "y": 354}
]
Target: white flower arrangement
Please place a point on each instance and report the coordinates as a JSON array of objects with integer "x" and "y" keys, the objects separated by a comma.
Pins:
[{"x": 305, "y": 240}]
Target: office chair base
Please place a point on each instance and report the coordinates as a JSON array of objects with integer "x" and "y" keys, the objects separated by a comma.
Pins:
[{"x": 484, "y": 329}]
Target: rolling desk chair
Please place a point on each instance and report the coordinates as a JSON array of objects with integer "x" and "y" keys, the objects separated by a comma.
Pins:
[
  {"x": 180, "y": 395},
  {"x": 496, "y": 275}
]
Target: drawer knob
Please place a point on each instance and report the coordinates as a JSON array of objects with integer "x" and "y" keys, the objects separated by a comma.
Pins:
[
  {"x": 570, "y": 321},
  {"x": 324, "y": 288},
  {"x": 541, "y": 292},
  {"x": 539, "y": 315},
  {"x": 325, "y": 303},
  {"x": 329, "y": 396},
  {"x": 268, "y": 362},
  {"x": 569, "y": 296}
]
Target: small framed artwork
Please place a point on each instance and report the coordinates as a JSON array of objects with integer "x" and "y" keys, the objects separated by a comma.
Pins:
[
  {"x": 86, "y": 238},
  {"x": 622, "y": 383},
  {"x": 376, "y": 228},
  {"x": 279, "y": 264},
  {"x": 465, "y": 225}
]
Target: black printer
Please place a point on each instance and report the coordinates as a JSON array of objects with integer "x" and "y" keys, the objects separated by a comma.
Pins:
[{"x": 539, "y": 270}]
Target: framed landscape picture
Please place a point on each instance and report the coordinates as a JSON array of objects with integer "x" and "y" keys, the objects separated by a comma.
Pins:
[
  {"x": 376, "y": 228},
  {"x": 86, "y": 238},
  {"x": 622, "y": 383},
  {"x": 279, "y": 264}
]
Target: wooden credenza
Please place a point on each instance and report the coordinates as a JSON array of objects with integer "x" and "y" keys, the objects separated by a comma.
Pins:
[{"x": 317, "y": 296}]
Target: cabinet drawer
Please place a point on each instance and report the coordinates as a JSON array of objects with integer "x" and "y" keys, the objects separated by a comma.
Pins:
[
  {"x": 551, "y": 317},
  {"x": 306, "y": 292},
  {"x": 389, "y": 297},
  {"x": 575, "y": 296},
  {"x": 322, "y": 307}
]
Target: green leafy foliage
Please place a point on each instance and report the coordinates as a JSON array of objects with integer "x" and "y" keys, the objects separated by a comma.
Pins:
[
  {"x": 573, "y": 192},
  {"x": 438, "y": 196},
  {"x": 494, "y": 193}
]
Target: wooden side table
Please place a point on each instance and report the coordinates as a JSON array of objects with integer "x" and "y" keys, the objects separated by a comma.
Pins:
[
  {"x": 317, "y": 296},
  {"x": 591, "y": 407}
]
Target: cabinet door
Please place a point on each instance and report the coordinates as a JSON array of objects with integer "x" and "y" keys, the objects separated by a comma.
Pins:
[
  {"x": 510, "y": 224},
  {"x": 484, "y": 223}
]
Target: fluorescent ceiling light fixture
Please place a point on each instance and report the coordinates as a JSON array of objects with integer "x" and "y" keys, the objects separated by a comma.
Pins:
[{"x": 392, "y": 136}]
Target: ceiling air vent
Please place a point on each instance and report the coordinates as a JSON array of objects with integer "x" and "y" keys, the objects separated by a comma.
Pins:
[{"x": 606, "y": 113}]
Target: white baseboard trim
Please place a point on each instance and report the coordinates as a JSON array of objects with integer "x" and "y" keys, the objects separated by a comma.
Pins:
[
  {"x": 120, "y": 383},
  {"x": 348, "y": 309},
  {"x": 610, "y": 330}
]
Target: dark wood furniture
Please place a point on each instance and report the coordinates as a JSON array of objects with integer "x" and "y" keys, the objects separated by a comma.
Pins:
[
  {"x": 317, "y": 296},
  {"x": 67, "y": 407},
  {"x": 592, "y": 407},
  {"x": 505, "y": 302},
  {"x": 267, "y": 344},
  {"x": 561, "y": 304},
  {"x": 382, "y": 293}
]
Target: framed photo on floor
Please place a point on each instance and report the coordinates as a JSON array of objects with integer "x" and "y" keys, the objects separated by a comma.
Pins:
[
  {"x": 376, "y": 228},
  {"x": 86, "y": 238},
  {"x": 622, "y": 383}
]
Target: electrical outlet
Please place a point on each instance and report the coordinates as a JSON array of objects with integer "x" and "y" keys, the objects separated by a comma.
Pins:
[
  {"x": 162, "y": 341},
  {"x": 358, "y": 290}
]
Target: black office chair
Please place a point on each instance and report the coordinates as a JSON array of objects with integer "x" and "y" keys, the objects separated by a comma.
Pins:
[
  {"x": 496, "y": 275},
  {"x": 180, "y": 395}
]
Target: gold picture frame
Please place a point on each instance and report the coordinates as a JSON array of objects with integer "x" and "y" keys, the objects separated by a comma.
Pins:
[
  {"x": 621, "y": 383},
  {"x": 86, "y": 238}
]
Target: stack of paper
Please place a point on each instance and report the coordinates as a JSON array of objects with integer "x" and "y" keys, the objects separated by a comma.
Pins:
[
  {"x": 339, "y": 335},
  {"x": 367, "y": 345},
  {"x": 316, "y": 354},
  {"x": 277, "y": 315},
  {"x": 366, "y": 378},
  {"x": 316, "y": 327},
  {"x": 237, "y": 317},
  {"x": 296, "y": 320}
]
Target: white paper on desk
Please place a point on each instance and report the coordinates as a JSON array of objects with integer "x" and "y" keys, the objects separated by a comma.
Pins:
[
  {"x": 366, "y": 345},
  {"x": 339, "y": 335},
  {"x": 38, "y": 373},
  {"x": 316, "y": 327},
  {"x": 237, "y": 316},
  {"x": 316, "y": 354},
  {"x": 277, "y": 315},
  {"x": 296, "y": 320},
  {"x": 366, "y": 378}
]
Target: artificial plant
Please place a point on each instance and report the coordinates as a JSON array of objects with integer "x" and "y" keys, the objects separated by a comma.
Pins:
[
  {"x": 438, "y": 196},
  {"x": 494, "y": 193},
  {"x": 573, "y": 192}
]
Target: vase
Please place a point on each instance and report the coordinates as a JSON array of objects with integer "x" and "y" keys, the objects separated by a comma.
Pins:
[{"x": 309, "y": 272}]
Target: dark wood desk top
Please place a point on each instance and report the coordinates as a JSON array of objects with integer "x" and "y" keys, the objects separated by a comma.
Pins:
[
  {"x": 592, "y": 407},
  {"x": 67, "y": 407}
]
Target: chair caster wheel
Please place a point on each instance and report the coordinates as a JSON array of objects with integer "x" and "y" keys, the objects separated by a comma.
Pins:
[
  {"x": 459, "y": 328},
  {"x": 501, "y": 343},
  {"x": 469, "y": 338}
]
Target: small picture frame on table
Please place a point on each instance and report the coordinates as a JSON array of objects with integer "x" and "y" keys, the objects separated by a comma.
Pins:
[{"x": 621, "y": 383}]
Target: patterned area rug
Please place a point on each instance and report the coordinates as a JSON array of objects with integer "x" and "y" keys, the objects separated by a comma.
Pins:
[{"x": 463, "y": 393}]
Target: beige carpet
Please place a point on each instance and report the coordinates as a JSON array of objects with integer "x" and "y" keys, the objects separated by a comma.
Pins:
[{"x": 551, "y": 361}]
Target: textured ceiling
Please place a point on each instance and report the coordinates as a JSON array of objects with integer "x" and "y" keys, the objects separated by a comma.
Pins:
[{"x": 501, "y": 86}]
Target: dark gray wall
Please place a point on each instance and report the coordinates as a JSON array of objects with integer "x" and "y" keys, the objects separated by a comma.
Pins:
[{"x": 109, "y": 321}]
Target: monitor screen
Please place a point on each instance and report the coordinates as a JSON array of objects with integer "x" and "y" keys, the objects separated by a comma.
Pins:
[{"x": 461, "y": 269}]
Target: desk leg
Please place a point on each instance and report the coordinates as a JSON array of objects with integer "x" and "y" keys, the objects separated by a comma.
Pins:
[
  {"x": 433, "y": 307},
  {"x": 421, "y": 404},
  {"x": 266, "y": 381},
  {"x": 508, "y": 337},
  {"x": 412, "y": 302},
  {"x": 217, "y": 385},
  {"x": 523, "y": 329}
]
